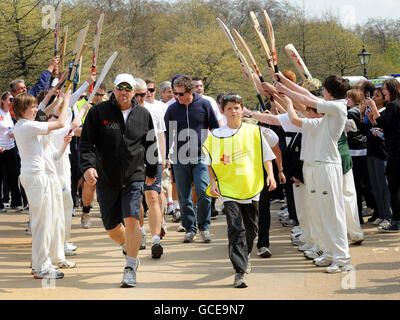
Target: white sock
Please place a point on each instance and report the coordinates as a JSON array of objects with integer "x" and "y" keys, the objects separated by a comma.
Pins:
[
  {"x": 131, "y": 262},
  {"x": 155, "y": 240},
  {"x": 143, "y": 231},
  {"x": 123, "y": 247},
  {"x": 169, "y": 200}
]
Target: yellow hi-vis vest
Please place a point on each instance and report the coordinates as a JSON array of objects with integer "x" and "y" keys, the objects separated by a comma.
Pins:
[{"x": 237, "y": 162}]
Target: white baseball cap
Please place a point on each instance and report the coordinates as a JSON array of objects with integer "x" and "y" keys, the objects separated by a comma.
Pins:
[{"x": 125, "y": 77}]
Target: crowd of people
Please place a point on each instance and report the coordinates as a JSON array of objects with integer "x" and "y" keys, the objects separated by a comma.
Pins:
[{"x": 329, "y": 147}]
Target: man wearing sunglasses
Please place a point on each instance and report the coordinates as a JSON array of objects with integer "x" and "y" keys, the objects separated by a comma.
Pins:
[
  {"x": 187, "y": 122},
  {"x": 117, "y": 144}
]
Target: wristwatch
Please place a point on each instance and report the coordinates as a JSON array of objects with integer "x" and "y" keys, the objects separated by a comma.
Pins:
[
  {"x": 280, "y": 170},
  {"x": 54, "y": 116},
  {"x": 251, "y": 114}
]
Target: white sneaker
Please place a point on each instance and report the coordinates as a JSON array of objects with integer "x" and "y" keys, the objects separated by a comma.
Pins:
[
  {"x": 69, "y": 253},
  {"x": 205, "y": 236},
  {"x": 313, "y": 253},
  {"x": 377, "y": 222},
  {"x": 336, "y": 268},
  {"x": 305, "y": 247},
  {"x": 66, "y": 264},
  {"x": 71, "y": 246},
  {"x": 28, "y": 230},
  {"x": 181, "y": 229},
  {"x": 296, "y": 229},
  {"x": 263, "y": 252},
  {"x": 322, "y": 261},
  {"x": 385, "y": 223}
]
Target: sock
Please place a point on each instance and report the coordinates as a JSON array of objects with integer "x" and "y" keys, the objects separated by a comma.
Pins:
[
  {"x": 131, "y": 262},
  {"x": 176, "y": 204},
  {"x": 143, "y": 231},
  {"x": 123, "y": 247},
  {"x": 169, "y": 201},
  {"x": 86, "y": 209},
  {"x": 155, "y": 240}
]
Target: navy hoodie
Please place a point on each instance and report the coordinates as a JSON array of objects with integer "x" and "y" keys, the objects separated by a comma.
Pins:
[{"x": 188, "y": 123}]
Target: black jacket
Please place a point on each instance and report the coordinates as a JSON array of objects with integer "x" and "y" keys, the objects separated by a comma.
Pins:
[
  {"x": 356, "y": 140},
  {"x": 293, "y": 166},
  {"x": 120, "y": 153},
  {"x": 389, "y": 121}
]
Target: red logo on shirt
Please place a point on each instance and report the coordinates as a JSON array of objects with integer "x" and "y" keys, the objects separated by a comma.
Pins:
[
  {"x": 226, "y": 159},
  {"x": 108, "y": 122}
]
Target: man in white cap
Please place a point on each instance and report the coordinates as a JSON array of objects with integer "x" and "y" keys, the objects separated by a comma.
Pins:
[{"x": 118, "y": 155}]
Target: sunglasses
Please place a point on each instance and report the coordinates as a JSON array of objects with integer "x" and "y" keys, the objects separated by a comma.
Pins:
[
  {"x": 181, "y": 94},
  {"x": 231, "y": 96},
  {"x": 121, "y": 87},
  {"x": 151, "y": 89},
  {"x": 83, "y": 97},
  {"x": 142, "y": 95}
]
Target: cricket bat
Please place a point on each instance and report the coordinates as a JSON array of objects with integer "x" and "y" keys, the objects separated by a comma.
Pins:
[
  {"x": 96, "y": 43},
  {"x": 57, "y": 26},
  {"x": 263, "y": 42},
  {"x": 248, "y": 54},
  {"x": 63, "y": 47},
  {"x": 99, "y": 81},
  {"x": 242, "y": 60},
  {"x": 76, "y": 54},
  {"x": 271, "y": 36},
  {"x": 298, "y": 62}
]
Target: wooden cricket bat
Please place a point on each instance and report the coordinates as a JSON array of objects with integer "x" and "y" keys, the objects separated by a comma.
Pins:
[
  {"x": 248, "y": 54},
  {"x": 57, "y": 26},
  {"x": 77, "y": 75},
  {"x": 63, "y": 47},
  {"x": 76, "y": 54},
  {"x": 242, "y": 60},
  {"x": 271, "y": 36},
  {"x": 263, "y": 42},
  {"x": 96, "y": 43},
  {"x": 298, "y": 62}
]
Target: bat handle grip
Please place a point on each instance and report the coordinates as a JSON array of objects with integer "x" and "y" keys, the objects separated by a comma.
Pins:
[
  {"x": 261, "y": 79},
  {"x": 261, "y": 101}
]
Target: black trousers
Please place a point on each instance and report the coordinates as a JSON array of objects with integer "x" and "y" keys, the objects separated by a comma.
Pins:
[
  {"x": 288, "y": 186},
  {"x": 242, "y": 230},
  {"x": 362, "y": 184},
  {"x": 10, "y": 166},
  {"x": 393, "y": 177}
]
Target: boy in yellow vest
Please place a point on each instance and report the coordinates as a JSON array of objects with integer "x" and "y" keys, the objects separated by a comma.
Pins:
[{"x": 236, "y": 154}]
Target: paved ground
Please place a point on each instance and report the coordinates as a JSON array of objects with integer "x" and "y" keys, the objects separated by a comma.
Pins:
[{"x": 196, "y": 270}]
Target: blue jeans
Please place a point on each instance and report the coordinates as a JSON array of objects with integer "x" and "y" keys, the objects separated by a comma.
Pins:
[{"x": 185, "y": 175}]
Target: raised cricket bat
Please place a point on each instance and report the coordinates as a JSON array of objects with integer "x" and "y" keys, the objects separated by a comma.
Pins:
[
  {"x": 298, "y": 62},
  {"x": 248, "y": 54},
  {"x": 57, "y": 26},
  {"x": 271, "y": 37},
  {"x": 242, "y": 60},
  {"x": 99, "y": 81},
  {"x": 96, "y": 43},
  {"x": 263, "y": 42},
  {"x": 78, "y": 70},
  {"x": 76, "y": 54},
  {"x": 63, "y": 47}
]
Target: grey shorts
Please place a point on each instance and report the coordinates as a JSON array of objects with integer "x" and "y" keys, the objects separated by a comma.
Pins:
[{"x": 117, "y": 204}]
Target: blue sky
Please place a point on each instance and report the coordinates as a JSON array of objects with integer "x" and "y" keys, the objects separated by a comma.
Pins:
[{"x": 353, "y": 11}]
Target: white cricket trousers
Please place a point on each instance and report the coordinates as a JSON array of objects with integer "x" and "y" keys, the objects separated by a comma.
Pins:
[
  {"x": 68, "y": 204},
  {"x": 302, "y": 214},
  {"x": 324, "y": 187},
  {"x": 47, "y": 219},
  {"x": 354, "y": 230}
]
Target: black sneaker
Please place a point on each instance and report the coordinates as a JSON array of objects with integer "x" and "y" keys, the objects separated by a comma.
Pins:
[
  {"x": 214, "y": 213},
  {"x": 393, "y": 227},
  {"x": 156, "y": 251}
]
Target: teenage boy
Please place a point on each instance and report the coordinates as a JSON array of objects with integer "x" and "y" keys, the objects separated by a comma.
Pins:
[{"x": 236, "y": 155}]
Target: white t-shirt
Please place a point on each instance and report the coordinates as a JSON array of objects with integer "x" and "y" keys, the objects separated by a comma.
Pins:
[
  {"x": 270, "y": 136},
  {"x": 28, "y": 135},
  {"x": 157, "y": 115},
  {"x": 320, "y": 136},
  {"x": 160, "y": 106},
  {"x": 126, "y": 113},
  {"x": 6, "y": 122},
  {"x": 214, "y": 105},
  {"x": 225, "y": 132}
]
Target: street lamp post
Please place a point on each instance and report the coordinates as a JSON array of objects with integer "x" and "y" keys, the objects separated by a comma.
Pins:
[{"x": 364, "y": 56}]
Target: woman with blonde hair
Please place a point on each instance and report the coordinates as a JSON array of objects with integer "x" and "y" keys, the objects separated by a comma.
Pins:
[{"x": 358, "y": 150}]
